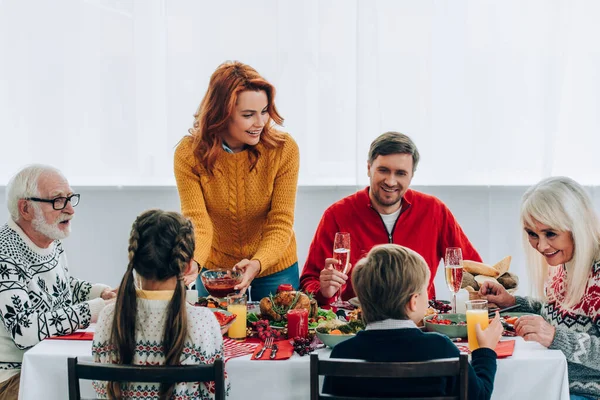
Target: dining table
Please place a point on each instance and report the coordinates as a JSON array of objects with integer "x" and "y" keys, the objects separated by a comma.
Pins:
[{"x": 532, "y": 372}]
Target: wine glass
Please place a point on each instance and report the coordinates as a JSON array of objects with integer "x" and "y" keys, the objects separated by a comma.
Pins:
[
  {"x": 341, "y": 252},
  {"x": 453, "y": 263}
]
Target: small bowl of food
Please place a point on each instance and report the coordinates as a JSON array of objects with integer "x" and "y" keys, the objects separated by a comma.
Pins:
[
  {"x": 451, "y": 325},
  {"x": 220, "y": 282},
  {"x": 333, "y": 332}
]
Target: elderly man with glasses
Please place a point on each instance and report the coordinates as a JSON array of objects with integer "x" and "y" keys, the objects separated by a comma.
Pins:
[{"x": 38, "y": 297}]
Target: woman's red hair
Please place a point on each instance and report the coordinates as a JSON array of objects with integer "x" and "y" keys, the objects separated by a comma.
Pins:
[{"x": 214, "y": 113}]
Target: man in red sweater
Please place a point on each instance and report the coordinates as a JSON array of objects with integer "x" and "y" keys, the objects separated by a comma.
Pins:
[{"x": 385, "y": 212}]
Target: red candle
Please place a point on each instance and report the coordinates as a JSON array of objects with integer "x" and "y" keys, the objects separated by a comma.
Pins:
[{"x": 297, "y": 323}]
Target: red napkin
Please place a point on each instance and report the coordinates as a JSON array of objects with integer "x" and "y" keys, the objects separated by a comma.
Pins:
[
  {"x": 75, "y": 336},
  {"x": 504, "y": 348},
  {"x": 285, "y": 351}
]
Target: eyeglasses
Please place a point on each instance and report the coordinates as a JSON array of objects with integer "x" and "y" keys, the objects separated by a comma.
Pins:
[{"x": 59, "y": 203}]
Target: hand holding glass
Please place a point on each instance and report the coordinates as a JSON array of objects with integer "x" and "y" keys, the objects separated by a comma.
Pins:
[
  {"x": 341, "y": 252},
  {"x": 477, "y": 313},
  {"x": 453, "y": 263}
]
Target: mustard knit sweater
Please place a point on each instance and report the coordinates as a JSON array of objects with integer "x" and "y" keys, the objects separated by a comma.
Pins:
[{"x": 240, "y": 214}]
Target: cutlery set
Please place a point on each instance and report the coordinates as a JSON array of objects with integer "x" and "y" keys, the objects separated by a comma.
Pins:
[{"x": 268, "y": 345}]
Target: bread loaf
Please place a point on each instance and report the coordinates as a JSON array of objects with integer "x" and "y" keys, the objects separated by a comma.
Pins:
[
  {"x": 482, "y": 278},
  {"x": 477, "y": 268},
  {"x": 503, "y": 265}
]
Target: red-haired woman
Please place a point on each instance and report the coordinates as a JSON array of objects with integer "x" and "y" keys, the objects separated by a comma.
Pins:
[{"x": 237, "y": 178}]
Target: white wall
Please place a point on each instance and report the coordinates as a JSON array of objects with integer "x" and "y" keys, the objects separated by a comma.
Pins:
[{"x": 97, "y": 248}]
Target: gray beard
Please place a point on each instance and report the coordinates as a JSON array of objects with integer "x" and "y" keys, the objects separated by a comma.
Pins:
[{"x": 51, "y": 231}]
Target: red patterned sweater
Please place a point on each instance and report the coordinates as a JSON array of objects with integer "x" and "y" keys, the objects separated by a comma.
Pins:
[{"x": 577, "y": 332}]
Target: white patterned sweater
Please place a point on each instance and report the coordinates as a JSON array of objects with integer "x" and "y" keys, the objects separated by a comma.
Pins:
[
  {"x": 203, "y": 345},
  {"x": 577, "y": 332},
  {"x": 38, "y": 297}
]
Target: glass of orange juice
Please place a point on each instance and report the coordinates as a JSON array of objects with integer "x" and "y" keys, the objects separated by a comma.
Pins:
[
  {"x": 236, "y": 304},
  {"x": 477, "y": 313}
]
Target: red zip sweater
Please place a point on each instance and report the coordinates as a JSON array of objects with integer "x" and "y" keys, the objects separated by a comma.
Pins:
[{"x": 425, "y": 225}]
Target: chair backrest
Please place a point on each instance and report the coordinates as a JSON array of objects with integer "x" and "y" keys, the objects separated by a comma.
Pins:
[
  {"x": 142, "y": 373},
  {"x": 448, "y": 367}
]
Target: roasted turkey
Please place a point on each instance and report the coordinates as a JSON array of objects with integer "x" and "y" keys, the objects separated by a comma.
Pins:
[{"x": 275, "y": 307}]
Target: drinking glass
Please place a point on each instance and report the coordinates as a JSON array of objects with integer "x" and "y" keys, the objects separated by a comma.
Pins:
[
  {"x": 236, "y": 304},
  {"x": 477, "y": 313},
  {"x": 453, "y": 264},
  {"x": 341, "y": 252}
]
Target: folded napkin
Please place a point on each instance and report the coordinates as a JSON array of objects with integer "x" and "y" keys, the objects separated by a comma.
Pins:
[
  {"x": 235, "y": 348},
  {"x": 504, "y": 348},
  {"x": 285, "y": 351},
  {"x": 75, "y": 336}
]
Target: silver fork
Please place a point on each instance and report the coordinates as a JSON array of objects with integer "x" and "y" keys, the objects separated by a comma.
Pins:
[{"x": 268, "y": 345}]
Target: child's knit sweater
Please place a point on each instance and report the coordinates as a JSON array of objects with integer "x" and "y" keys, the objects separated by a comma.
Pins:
[{"x": 203, "y": 345}]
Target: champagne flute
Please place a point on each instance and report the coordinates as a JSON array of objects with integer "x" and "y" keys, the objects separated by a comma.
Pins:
[
  {"x": 341, "y": 252},
  {"x": 453, "y": 263}
]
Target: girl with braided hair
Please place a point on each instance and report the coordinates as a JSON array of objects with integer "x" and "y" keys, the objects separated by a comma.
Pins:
[{"x": 152, "y": 324}]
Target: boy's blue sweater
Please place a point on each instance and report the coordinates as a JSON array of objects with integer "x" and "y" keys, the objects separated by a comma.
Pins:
[{"x": 404, "y": 345}]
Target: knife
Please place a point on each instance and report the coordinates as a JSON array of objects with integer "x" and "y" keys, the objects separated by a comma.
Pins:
[{"x": 273, "y": 352}]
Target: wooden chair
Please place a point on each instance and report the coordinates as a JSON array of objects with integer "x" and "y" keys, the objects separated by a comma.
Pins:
[
  {"x": 141, "y": 373},
  {"x": 449, "y": 367}
]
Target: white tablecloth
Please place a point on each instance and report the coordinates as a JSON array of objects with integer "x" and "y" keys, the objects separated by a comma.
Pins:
[{"x": 533, "y": 372}]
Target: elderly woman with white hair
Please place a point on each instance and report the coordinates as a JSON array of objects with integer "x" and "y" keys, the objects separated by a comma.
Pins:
[{"x": 561, "y": 234}]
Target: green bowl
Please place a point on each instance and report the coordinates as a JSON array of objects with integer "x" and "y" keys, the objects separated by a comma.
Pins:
[
  {"x": 332, "y": 340},
  {"x": 452, "y": 331}
]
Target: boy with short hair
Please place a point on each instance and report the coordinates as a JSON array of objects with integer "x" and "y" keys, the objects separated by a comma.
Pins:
[{"x": 391, "y": 285}]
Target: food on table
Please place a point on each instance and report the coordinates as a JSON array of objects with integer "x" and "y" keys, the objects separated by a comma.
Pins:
[
  {"x": 275, "y": 307},
  {"x": 483, "y": 278},
  {"x": 437, "y": 319},
  {"x": 304, "y": 346},
  {"x": 476, "y": 273},
  {"x": 225, "y": 319},
  {"x": 264, "y": 330},
  {"x": 508, "y": 280},
  {"x": 220, "y": 282},
  {"x": 440, "y": 306},
  {"x": 477, "y": 268},
  {"x": 355, "y": 315},
  {"x": 337, "y": 327},
  {"x": 469, "y": 280}
]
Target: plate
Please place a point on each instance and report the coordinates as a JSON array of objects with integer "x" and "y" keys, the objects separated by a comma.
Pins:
[
  {"x": 354, "y": 301},
  {"x": 224, "y": 328}
]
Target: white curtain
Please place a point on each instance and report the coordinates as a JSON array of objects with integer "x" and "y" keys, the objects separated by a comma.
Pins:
[{"x": 493, "y": 92}]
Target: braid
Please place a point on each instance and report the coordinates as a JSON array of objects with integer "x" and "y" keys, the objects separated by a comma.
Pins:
[
  {"x": 176, "y": 325},
  {"x": 123, "y": 328},
  {"x": 161, "y": 246}
]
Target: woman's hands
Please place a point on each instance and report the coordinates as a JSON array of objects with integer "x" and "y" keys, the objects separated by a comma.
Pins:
[
  {"x": 250, "y": 269},
  {"x": 535, "y": 328},
  {"x": 491, "y": 335},
  {"x": 331, "y": 279},
  {"x": 496, "y": 293}
]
